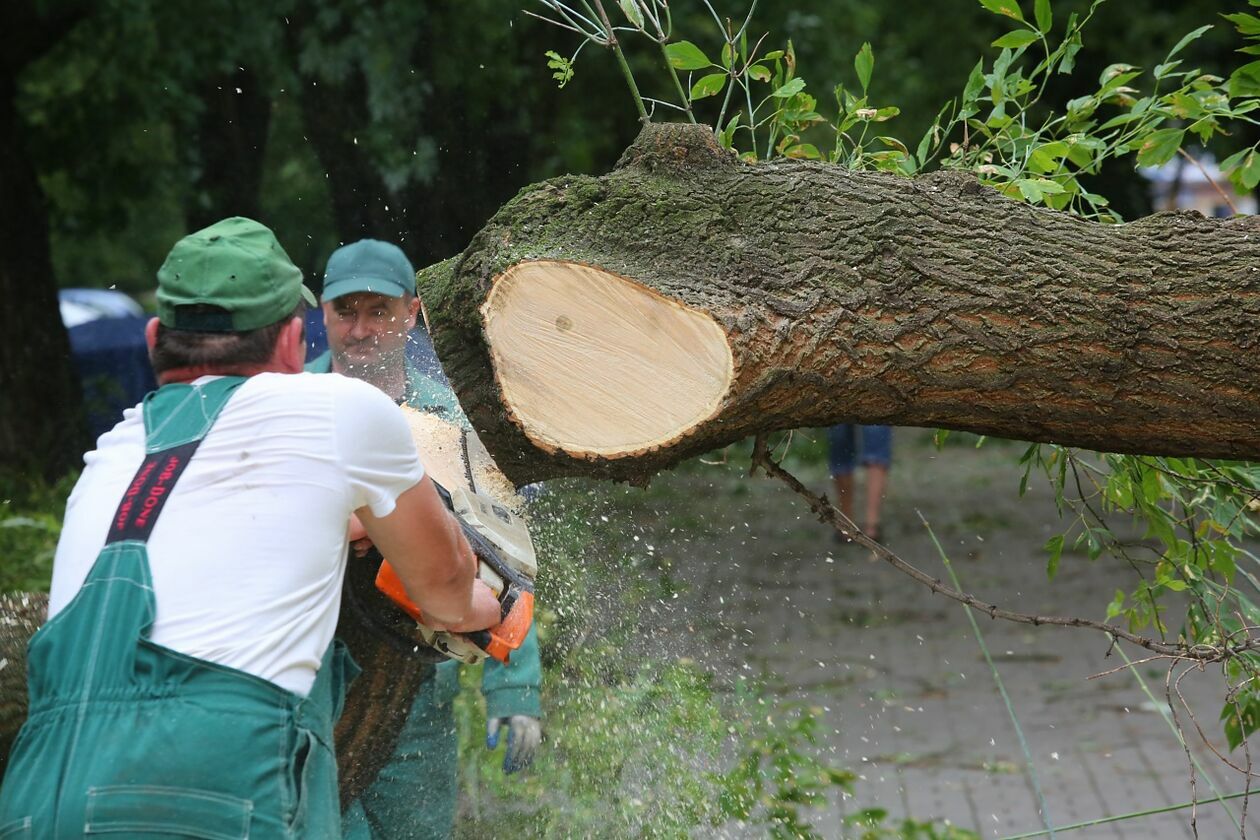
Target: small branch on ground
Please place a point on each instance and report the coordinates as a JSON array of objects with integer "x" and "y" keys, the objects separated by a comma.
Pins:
[{"x": 827, "y": 513}]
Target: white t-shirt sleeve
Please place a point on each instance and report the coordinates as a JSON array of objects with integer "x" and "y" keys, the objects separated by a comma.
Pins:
[{"x": 375, "y": 446}]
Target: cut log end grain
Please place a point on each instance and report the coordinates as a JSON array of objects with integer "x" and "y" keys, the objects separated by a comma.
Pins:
[{"x": 595, "y": 365}]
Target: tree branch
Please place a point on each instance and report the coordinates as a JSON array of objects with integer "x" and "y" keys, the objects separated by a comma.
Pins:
[{"x": 826, "y": 512}]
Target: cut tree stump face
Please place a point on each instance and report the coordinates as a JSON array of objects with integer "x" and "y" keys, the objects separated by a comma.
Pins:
[{"x": 635, "y": 370}]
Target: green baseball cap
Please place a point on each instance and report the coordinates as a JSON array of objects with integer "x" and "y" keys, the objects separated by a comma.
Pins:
[
  {"x": 368, "y": 265},
  {"x": 236, "y": 265}
]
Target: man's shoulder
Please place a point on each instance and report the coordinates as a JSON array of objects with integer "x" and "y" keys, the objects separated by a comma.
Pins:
[{"x": 314, "y": 386}]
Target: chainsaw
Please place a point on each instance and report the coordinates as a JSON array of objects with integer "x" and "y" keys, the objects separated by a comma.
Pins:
[{"x": 505, "y": 563}]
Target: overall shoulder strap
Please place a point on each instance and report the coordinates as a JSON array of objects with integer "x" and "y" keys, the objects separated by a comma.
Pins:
[
  {"x": 176, "y": 420},
  {"x": 182, "y": 412}
]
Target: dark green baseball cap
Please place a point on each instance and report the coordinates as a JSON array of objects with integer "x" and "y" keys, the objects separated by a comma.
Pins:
[
  {"x": 235, "y": 265},
  {"x": 368, "y": 265}
]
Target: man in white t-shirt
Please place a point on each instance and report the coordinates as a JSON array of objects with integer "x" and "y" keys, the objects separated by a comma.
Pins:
[{"x": 187, "y": 677}]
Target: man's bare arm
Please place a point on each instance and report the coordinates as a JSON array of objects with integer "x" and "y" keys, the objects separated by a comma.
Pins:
[{"x": 427, "y": 549}]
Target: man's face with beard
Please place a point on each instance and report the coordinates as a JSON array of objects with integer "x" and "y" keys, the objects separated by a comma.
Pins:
[{"x": 368, "y": 331}]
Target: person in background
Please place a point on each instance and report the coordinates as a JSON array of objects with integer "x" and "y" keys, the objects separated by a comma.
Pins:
[
  {"x": 876, "y": 457},
  {"x": 370, "y": 308},
  {"x": 187, "y": 680}
]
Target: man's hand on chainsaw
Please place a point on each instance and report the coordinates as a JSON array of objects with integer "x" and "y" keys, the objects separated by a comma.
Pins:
[
  {"x": 483, "y": 612},
  {"x": 360, "y": 542},
  {"x": 524, "y": 736}
]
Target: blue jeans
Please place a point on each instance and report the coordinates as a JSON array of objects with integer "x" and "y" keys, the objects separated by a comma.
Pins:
[{"x": 876, "y": 447}]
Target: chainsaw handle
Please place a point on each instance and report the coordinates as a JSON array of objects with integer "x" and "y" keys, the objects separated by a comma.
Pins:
[{"x": 516, "y": 610}]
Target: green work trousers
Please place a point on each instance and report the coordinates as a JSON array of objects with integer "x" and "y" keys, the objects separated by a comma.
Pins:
[
  {"x": 131, "y": 739},
  {"x": 414, "y": 796}
]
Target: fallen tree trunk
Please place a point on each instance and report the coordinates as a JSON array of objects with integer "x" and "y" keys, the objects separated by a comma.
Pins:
[{"x": 613, "y": 326}]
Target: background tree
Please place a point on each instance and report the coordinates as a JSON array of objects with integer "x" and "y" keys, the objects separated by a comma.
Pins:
[{"x": 40, "y": 403}]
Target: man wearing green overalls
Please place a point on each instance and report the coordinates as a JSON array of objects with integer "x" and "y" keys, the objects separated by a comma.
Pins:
[
  {"x": 369, "y": 310},
  {"x": 186, "y": 682}
]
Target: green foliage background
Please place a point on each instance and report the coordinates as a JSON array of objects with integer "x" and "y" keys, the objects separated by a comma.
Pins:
[{"x": 450, "y": 118}]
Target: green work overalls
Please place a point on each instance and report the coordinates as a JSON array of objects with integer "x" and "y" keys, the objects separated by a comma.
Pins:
[{"x": 130, "y": 739}]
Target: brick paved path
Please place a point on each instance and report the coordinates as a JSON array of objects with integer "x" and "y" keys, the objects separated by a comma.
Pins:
[{"x": 909, "y": 700}]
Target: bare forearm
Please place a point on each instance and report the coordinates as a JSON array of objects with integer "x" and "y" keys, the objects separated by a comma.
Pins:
[
  {"x": 445, "y": 598},
  {"x": 427, "y": 549}
]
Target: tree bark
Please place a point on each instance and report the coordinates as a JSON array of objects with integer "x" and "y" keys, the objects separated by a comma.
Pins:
[
  {"x": 332, "y": 113},
  {"x": 21, "y": 614},
  {"x": 231, "y": 146},
  {"x": 851, "y": 297},
  {"x": 42, "y": 426}
]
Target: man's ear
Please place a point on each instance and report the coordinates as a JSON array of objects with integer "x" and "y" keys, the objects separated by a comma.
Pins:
[
  {"x": 150, "y": 334},
  {"x": 413, "y": 312},
  {"x": 290, "y": 352}
]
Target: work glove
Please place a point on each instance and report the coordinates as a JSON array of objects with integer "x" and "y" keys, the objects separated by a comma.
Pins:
[{"x": 524, "y": 733}]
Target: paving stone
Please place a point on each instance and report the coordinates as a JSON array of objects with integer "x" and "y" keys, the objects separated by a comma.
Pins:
[{"x": 914, "y": 707}]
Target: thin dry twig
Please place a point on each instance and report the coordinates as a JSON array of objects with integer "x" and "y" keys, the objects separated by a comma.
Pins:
[
  {"x": 1198, "y": 728},
  {"x": 826, "y": 512},
  {"x": 1247, "y": 771},
  {"x": 1228, "y": 201},
  {"x": 1185, "y": 745},
  {"x": 1126, "y": 665}
]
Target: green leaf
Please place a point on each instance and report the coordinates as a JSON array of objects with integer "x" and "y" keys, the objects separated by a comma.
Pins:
[
  {"x": 1160, "y": 146},
  {"x": 1223, "y": 560},
  {"x": 1249, "y": 175},
  {"x": 1233, "y": 161},
  {"x": 709, "y": 85},
  {"x": 1116, "y": 75},
  {"x": 1045, "y": 158},
  {"x": 1009, "y": 8},
  {"x": 792, "y": 88},
  {"x": 772, "y": 55},
  {"x": 1245, "y": 81},
  {"x": 631, "y": 10},
  {"x": 894, "y": 143},
  {"x": 1187, "y": 39},
  {"x": 1240, "y": 723},
  {"x": 1070, "y": 49},
  {"x": 1055, "y": 546},
  {"x": 684, "y": 55},
  {"x": 975, "y": 83},
  {"x": 1016, "y": 39},
  {"x": 727, "y": 135},
  {"x": 804, "y": 151},
  {"x": 1035, "y": 190},
  {"x": 1094, "y": 543},
  {"x": 1204, "y": 129},
  {"x": 1119, "y": 120},
  {"x": 1045, "y": 18},
  {"x": 728, "y": 55},
  {"x": 1116, "y": 607},
  {"x": 562, "y": 66},
  {"x": 864, "y": 63},
  {"x": 1152, "y": 487},
  {"x": 925, "y": 145},
  {"x": 759, "y": 72},
  {"x": 1246, "y": 24}
]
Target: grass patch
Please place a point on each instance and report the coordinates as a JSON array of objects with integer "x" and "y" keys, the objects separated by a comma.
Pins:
[{"x": 31, "y": 510}]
